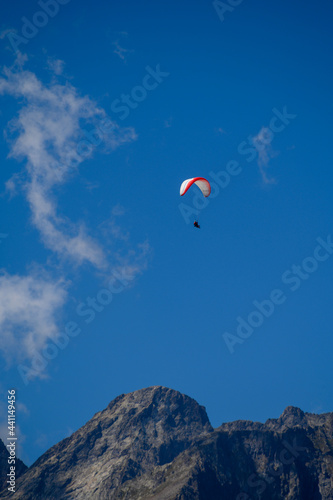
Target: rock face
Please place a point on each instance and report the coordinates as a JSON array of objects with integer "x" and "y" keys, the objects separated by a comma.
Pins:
[
  {"x": 158, "y": 444},
  {"x": 20, "y": 468}
]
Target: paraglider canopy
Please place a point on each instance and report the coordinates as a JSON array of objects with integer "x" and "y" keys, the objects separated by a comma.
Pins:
[{"x": 202, "y": 184}]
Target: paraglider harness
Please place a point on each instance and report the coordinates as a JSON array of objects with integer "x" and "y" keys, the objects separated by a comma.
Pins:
[{"x": 195, "y": 224}]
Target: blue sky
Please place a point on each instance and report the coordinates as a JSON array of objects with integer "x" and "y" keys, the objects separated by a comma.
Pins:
[{"x": 105, "y": 285}]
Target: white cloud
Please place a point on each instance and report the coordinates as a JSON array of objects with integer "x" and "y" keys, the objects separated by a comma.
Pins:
[
  {"x": 48, "y": 131},
  {"x": 262, "y": 142},
  {"x": 56, "y": 65},
  {"x": 135, "y": 261},
  {"x": 22, "y": 408},
  {"x": 80, "y": 246},
  {"x": 28, "y": 308},
  {"x": 127, "y": 259}
]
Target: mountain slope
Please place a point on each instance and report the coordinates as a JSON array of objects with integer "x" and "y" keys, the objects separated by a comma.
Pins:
[
  {"x": 158, "y": 444},
  {"x": 135, "y": 433}
]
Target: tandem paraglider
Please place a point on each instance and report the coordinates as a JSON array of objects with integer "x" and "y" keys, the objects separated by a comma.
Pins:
[{"x": 202, "y": 184}]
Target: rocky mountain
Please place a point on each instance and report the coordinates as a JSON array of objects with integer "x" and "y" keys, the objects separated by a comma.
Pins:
[
  {"x": 158, "y": 444},
  {"x": 20, "y": 467}
]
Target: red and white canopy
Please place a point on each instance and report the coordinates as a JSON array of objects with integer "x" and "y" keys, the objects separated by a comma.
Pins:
[{"x": 202, "y": 184}]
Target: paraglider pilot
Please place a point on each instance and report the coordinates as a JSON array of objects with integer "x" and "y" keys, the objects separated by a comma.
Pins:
[{"x": 195, "y": 224}]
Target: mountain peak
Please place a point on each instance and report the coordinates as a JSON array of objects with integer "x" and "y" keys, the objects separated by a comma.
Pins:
[
  {"x": 162, "y": 404},
  {"x": 293, "y": 412},
  {"x": 135, "y": 433}
]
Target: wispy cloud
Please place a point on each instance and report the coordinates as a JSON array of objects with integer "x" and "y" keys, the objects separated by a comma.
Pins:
[
  {"x": 135, "y": 261},
  {"x": 112, "y": 230},
  {"x": 22, "y": 408},
  {"x": 28, "y": 308},
  {"x": 56, "y": 66},
  {"x": 263, "y": 144},
  {"x": 48, "y": 129},
  {"x": 118, "y": 210},
  {"x": 132, "y": 259}
]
